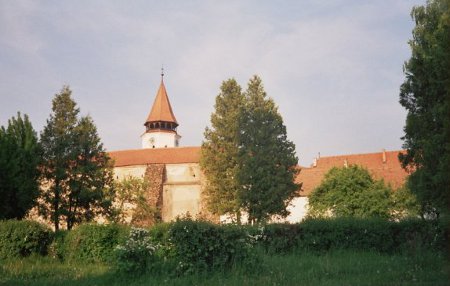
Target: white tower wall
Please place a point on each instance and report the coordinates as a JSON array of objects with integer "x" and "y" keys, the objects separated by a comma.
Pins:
[{"x": 160, "y": 139}]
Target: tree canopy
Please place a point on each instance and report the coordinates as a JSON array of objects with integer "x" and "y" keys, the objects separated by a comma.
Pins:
[
  {"x": 219, "y": 160},
  {"x": 267, "y": 159},
  {"x": 350, "y": 192},
  {"x": 248, "y": 162},
  {"x": 76, "y": 168},
  {"x": 19, "y": 172},
  {"x": 425, "y": 94}
]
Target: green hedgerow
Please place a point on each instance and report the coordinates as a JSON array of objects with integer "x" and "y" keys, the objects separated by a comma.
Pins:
[
  {"x": 23, "y": 238},
  {"x": 93, "y": 242},
  {"x": 203, "y": 246}
]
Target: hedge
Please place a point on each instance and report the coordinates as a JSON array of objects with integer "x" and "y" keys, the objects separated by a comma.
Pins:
[
  {"x": 358, "y": 234},
  {"x": 93, "y": 242},
  {"x": 23, "y": 238},
  {"x": 204, "y": 246}
]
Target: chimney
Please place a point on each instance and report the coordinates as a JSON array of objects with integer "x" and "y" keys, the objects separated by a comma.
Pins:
[
  {"x": 315, "y": 162},
  {"x": 384, "y": 156}
]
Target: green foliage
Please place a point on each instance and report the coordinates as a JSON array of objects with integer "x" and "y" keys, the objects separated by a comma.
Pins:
[
  {"x": 57, "y": 249},
  {"x": 373, "y": 234},
  {"x": 219, "y": 160},
  {"x": 279, "y": 238},
  {"x": 425, "y": 94},
  {"x": 19, "y": 172},
  {"x": 404, "y": 204},
  {"x": 350, "y": 192},
  {"x": 267, "y": 160},
  {"x": 203, "y": 246},
  {"x": 93, "y": 242},
  {"x": 77, "y": 172},
  {"x": 137, "y": 253},
  {"x": 23, "y": 238},
  {"x": 132, "y": 191},
  {"x": 246, "y": 157}
]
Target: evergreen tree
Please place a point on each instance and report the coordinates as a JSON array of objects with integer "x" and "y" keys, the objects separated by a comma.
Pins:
[
  {"x": 90, "y": 176},
  {"x": 19, "y": 172},
  {"x": 219, "y": 160},
  {"x": 267, "y": 159},
  {"x": 57, "y": 140},
  {"x": 425, "y": 94},
  {"x": 75, "y": 169}
]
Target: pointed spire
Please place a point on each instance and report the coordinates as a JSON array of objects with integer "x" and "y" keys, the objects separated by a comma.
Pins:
[{"x": 161, "y": 110}]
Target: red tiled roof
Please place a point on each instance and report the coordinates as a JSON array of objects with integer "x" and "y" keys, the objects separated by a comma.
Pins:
[
  {"x": 390, "y": 171},
  {"x": 161, "y": 109},
  {"x": 155, "y": 156}
]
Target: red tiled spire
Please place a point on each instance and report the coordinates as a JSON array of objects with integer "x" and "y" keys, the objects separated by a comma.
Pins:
[{"x": 161, "y": 110}]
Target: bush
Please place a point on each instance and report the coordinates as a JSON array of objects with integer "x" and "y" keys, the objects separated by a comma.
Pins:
[
  {"x": 137, "y": 253},
  {"x": 94, "y": 242},
  {"x": 355, "y": 234},
  {"x": 203, "y": 246},
  {"x": 279, "y": 238},
  {"x": 57, "y": 249},
  {"x": 346, "y": 233},
  {"x": 23, "y": 238},
  {"x": 160, "y": 235}
]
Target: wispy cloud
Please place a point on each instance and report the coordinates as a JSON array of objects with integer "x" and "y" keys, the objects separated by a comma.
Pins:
[{"x": 333, "y": 67}]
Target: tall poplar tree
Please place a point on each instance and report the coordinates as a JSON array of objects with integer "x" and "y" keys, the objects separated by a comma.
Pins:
[
  {"x": 267, "y": 159},
  {"x": 76, "y": 169},
  {"x": 19, "y": 172},
  {"x": 425, "y": 94},
  {"x": 219, "y": 160}
]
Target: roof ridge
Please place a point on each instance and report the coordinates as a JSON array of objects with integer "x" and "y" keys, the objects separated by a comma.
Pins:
[{"x": 358, "y": 154}]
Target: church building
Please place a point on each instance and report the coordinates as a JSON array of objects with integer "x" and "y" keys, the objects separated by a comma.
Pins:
[{"x": 176, "y": 180}]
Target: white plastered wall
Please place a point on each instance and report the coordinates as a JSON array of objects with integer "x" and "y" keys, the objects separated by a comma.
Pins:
[
  {"x": 160, "y": 140},
  {"x": 181, "y": 191}
]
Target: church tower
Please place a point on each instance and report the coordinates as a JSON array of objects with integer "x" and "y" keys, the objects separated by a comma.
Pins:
[{"x": 161, "y": 125}]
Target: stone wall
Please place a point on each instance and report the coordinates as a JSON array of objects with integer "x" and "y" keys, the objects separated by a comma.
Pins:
[{"x": 154, "y": 174}]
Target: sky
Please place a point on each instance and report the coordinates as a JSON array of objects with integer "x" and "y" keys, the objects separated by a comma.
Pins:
[{"x": 334, "y": 67}]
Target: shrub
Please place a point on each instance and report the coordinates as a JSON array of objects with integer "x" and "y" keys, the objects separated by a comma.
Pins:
[
  {"x": 203, "y": 246},
  {"x": 57, "y": 249},
  {"x": 159, "y": 235},
  {"x": 23, "y": 238},
  {"x": 94, "y": 242},
  {"x": 346, "y": 233},
  {"x": 279, "y": 238},
  {"x": 137, "y": 253},
  {"x": 356, "y": 234}
]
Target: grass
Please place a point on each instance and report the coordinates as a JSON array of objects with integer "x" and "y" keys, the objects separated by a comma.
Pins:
[{"x": 335, "y": 268}]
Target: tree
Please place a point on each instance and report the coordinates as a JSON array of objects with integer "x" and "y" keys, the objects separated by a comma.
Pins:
[
  {"x": 90, "y": 177},
  {"x": 425, "y": 94},
  {"x": 219, "y": 160},
  {"x": 404, "y": 204},
  {"x": 19, "y": 172},
  {"x": 350, "y": 192},
  {"x": 76, "y": 169},
  {"x": 267, "y": 159}
]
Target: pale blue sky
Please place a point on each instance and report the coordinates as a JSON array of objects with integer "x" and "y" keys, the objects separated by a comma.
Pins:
[{"x": 333, "y": 67}]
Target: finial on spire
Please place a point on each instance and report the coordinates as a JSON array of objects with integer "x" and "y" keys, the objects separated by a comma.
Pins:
[{"x": 162, "y": 72}]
